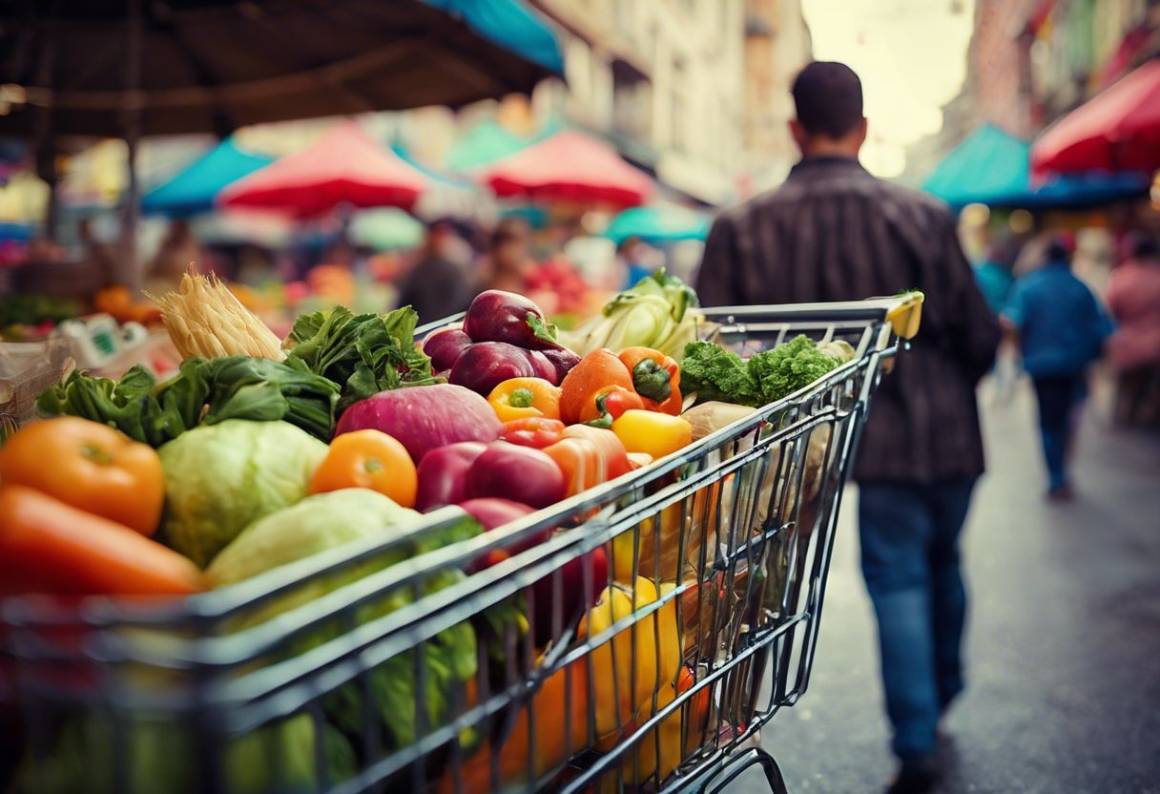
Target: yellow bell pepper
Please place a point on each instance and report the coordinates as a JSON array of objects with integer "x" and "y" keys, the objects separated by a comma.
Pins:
[
  {"x": 621, "y": 682},
  {"x": 520, "y": 398},
  {"x": 654, "y": 433}
]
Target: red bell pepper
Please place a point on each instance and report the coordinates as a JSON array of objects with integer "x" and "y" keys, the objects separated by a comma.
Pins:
[{"x": 533, "y": 431}]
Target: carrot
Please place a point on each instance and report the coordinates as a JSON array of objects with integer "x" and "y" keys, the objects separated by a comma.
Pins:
[{"x": 47, "y": 546}]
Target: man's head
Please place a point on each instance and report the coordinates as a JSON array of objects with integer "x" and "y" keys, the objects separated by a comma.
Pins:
[{"x": 828, "y": 99}]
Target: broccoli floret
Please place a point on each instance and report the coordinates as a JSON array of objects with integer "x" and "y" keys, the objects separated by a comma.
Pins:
[
  {"x": 789, "y": 367},
  {"x": 717, "y": 374}
]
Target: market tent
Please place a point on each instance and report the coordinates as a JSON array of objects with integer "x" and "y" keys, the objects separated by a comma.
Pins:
[
  {"x": 195, "y": 188},
  {"x": 342, "y": 168},
  {"x": 658, "y": 224},
  {"x": 993, "y": 167},
  {"x": 569, "y": 166},
  {"x": 482, "y": 145},
  {"x": 1116, "y": 130},
  {"x": 96, "y": 67}
]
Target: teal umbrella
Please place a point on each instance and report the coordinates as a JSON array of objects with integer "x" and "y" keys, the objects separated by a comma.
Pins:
[
  {"x": 194, "y": 189},
  {"x": 658, "y": 223},
  {"x": 482, "y": 145},
  {"x": 993, "y": 167}
]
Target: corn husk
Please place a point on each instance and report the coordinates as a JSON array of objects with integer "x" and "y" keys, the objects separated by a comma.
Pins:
[{"x": 204, "y": 319}]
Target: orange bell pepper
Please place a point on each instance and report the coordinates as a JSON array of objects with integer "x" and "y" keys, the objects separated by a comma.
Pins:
[
  {"x": 90, "y": 466},
  {"x": 560, "y": 707},
  {"x": 599, "y": 374},
  {"x": 520, "y": 398},
  {"x": 368, "y": 459},
  {"x": 655, "y": 377},
  {"x": 533, "y": 431}
]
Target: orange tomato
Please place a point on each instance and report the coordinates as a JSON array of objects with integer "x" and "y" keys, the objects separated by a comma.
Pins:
[
  {"x": 368, "y": 459},
  {"x": 89, "y": 466}
]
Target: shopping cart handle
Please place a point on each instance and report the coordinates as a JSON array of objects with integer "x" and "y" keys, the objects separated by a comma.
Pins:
[{"x": 905, "y": 316}]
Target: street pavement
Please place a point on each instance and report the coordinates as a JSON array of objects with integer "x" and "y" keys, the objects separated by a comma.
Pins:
[{"x": 1063, "y": 647}]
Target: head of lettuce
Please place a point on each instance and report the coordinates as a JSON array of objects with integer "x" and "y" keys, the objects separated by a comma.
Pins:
[{"x": 221, "y": 478}]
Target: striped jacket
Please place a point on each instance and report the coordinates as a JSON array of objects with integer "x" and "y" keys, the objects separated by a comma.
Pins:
[{"x": 834, "y": 232}]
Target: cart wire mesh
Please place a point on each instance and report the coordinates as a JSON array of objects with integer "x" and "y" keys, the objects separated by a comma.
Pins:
[{"x": 634, "y": 637}]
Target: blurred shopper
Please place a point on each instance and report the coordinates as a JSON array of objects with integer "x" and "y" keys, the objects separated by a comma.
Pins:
[
  {"x": 1061, "y": 330},
  {"x": 995, "y": 279},
  {"x": 834, "y": 232},
  {"x": 638, "y": 259},
  {"x": 1134, "y": 300},
  {"x": 441, "y": 282},
  {"x": 509, "y": 260}
]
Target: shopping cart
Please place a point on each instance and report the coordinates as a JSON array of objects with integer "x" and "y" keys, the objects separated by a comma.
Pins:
[{"x": 382, "y": 666}]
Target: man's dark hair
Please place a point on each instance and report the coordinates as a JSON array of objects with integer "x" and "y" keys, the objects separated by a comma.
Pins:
[
  {"x": 1058, "y": 250},
  {"x": 828, "y": 98}
]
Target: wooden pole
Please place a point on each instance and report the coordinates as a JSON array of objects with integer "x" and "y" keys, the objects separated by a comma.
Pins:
[{"x": 130, "y": 266}]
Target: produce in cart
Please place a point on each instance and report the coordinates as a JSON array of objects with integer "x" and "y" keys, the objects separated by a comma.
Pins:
[{"x": 641, "y": 603}]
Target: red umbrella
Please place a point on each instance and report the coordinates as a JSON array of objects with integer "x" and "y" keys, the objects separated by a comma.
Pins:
[
  {"x": 569, "y": 166},
  {"x": 343, "y": 167},
  {"x": 1117, "y": 130}
]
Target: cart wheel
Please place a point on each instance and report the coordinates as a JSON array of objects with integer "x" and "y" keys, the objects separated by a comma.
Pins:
[{"x": 751, "y": 758}]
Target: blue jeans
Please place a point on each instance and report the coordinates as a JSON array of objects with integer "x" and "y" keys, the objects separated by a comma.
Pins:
[
  {"x": 910, "y": 560},
  {"x": 1059, "y": 398}
]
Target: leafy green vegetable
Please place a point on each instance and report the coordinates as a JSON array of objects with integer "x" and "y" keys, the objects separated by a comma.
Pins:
[
  {"x": 160, "y": 755},
  {"x": 363, "y": 353},
  {"x": 718, "y": 374},
  {"x": 715, "y": 373},
  {"x": 204, "y": 391},
  {"x": 789, "y": 367},
  {"x": 221, "y": 478}
]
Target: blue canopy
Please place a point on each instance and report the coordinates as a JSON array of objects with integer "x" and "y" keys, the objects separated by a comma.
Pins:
[
  {"x": 483, "y": 144},
  {"x": 993, "y": 167},
  {"x": 510, "y": 24},
  {"x": 194, "y": 189},
  {"x": 658, "y": 224}
]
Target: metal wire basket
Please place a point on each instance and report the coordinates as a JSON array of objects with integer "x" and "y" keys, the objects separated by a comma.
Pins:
[{"x": 385, "y": 667}]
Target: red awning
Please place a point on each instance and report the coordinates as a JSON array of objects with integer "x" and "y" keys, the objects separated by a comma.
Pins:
[
  {"x": 343, "y": 167},
  {"x": 569, "y": 166},
  {"x": 1117, "y": 130}
]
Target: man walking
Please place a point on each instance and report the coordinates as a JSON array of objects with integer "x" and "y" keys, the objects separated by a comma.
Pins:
[
  {"x": 834, "y": 232},
  {"x": 1061, "y": 330}
]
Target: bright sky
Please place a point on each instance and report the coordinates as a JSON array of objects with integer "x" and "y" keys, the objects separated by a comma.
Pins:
[{"x": 911, "y": 56}]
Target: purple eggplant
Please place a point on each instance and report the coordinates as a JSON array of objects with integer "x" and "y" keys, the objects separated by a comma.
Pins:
[
  {"x": 498, "y": 316},
  {"x": 563, "y": 360},
  {"x": 444, "y": 347},
  {"x": 485, "y": 365}
]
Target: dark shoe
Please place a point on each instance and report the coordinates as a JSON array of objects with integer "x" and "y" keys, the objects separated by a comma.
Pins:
[
  {"x": 916, "y": 775},
  {"x": 1061, "y": 493}
]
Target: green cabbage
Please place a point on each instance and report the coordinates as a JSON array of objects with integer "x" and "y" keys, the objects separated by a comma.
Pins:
[
  {"x": 334, "y": 519},
  {"x": 221, "y": 478}
]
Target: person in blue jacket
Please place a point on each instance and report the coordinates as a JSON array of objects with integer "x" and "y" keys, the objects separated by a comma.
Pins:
[{"x": 1061, "y": 329}]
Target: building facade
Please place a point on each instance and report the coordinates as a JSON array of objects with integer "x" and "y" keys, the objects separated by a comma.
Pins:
[
  {"x": 1031, "y": 61},
  {"x": 663, "y": 79},
  {"x": 777, "y": 46}
]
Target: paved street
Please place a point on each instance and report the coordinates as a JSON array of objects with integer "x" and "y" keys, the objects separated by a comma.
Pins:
[{"x": 1064, "y": 639}]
